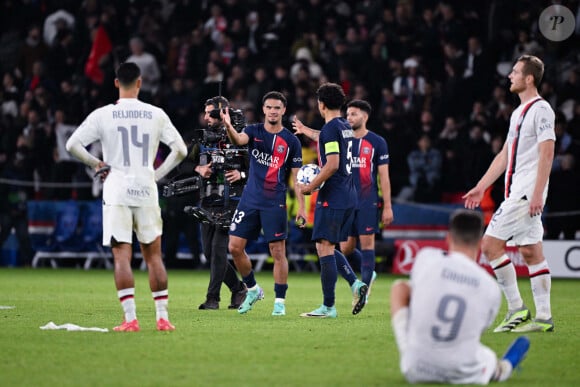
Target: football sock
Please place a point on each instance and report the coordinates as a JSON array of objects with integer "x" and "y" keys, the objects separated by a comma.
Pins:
[
  {"x": 367, "y": 266},
  {"x": 506, "y": 278},
  {"x": 328, "y": 277},
  {"x": 280, "y": 290},
  {"x": 161, "y": 299},
  {"x": 127, "y": 298},
  {"x": 541, "y": 282},
  {"x": 355, "y": 259},
  {"x": 249, "y": 280},
  {"x": 344, "y": 268}
]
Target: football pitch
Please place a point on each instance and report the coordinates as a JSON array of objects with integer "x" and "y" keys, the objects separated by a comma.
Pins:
[{"x": 223, "y": 348}]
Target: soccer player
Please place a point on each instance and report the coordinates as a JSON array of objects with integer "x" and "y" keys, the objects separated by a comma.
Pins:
[
  {"x": 526, "y": 158},
  {"x": 370, "y": 159},
  {"x": 130, "y": 132},
  {"x": 274, "y": 152},
  {"x": 439, "y": 315},
  {"x": 337, "y": 198}
]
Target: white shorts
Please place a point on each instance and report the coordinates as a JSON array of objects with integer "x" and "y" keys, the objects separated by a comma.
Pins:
[
  {"x": 417, "y": 369},
  {"x": 513, "y": 223},
  {"x": 119, "y": 222}
]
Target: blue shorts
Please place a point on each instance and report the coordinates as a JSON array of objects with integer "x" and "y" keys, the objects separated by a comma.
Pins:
[
  {"x": 248, "y": 222},
  {"x": 331, "y": 224},
  {"x": 366, "y": 221}
]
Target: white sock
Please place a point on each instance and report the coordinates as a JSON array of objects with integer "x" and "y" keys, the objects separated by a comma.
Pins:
[
  {"x": 508, "y": 281},
  {"x": 541, "y": 282},
  {"x": 161, "y": 299},
  {"x": 127, "y": 298},
  {"x": 280, "y": 300},
  {"x": 503, "y": 371}
]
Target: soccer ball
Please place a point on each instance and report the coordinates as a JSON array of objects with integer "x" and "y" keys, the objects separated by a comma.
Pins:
[{"x": 307, "y": 173}]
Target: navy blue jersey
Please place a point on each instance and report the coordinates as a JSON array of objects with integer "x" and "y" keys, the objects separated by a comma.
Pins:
[
  {"x": 272, "y": 157},
  {"x": 338, "y": 192},
  {"x": 368, "y": 153}
]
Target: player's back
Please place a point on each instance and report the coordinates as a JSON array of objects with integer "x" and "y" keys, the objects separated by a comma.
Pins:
[
  {"x": 339, "y": 190},
  {"x": 130, "y": 132},
  {"x": 453, "y": 301}
]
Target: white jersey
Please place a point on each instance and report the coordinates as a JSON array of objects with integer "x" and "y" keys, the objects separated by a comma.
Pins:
[
  {"x": 453, "y": 300},
  {"x": 130, "y": 132},
  {"x": 522, "y": 148}
]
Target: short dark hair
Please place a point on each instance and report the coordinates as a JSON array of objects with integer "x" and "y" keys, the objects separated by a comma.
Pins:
[
  {"x": 360, "y": 104},
  {"x": 274, "y": 95},
  {"x": 532, "y": 66},
  {"x": 331, "y": 95},
  {"x": 466, "y": 227},
  {"x": 217, "y": 102},
  {"x": 127, "y": 73}
]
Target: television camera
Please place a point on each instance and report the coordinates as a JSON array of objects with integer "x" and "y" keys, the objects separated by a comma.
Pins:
[
  {"x": 217, "y": 134},
  {"x": 213, "y": 146}
]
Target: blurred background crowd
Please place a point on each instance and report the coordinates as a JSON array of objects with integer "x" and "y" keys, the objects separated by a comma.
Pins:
[{"x": 435, "y": 73}]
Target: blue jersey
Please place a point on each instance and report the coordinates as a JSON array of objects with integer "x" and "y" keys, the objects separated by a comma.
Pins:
[
  {"x": 272, "y": 157},
  {"x": 368, "y": 153},
  {"x": 338, "y": 192}
]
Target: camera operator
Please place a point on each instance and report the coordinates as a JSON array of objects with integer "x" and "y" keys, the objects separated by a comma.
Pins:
[{"x": 223, "y": 169}]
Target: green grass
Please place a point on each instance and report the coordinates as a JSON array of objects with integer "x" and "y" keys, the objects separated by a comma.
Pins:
[{"x": 222, "y": 348}]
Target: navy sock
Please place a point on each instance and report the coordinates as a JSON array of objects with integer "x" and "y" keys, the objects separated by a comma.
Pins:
[
  {"x": 344, "y": 268},
  {"x": 249, "y": 280},
  {"x": 367, "y": 266},
  {"x": 328, "y": 276},
  {"x": 280, "y": 290},
  {"x": 355, "y": 259}
]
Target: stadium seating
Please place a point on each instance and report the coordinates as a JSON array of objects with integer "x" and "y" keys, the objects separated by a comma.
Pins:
[{"x": 76, "y": 234}]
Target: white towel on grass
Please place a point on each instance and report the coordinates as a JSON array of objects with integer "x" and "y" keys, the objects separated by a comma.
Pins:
[{"x": 51, "y": 326}]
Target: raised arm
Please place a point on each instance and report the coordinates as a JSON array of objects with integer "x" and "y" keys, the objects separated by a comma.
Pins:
[
  {"x": 235, "y": 137},
  {"x": 300, "y": 128}
]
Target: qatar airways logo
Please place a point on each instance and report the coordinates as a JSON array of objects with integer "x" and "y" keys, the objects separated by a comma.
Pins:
[
  {"x": 359, "y": 162},
  {"x": 266, "y": 159}
]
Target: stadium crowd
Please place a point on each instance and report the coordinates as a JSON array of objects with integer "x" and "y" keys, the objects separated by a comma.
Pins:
[{"x": 435, "y": 73}]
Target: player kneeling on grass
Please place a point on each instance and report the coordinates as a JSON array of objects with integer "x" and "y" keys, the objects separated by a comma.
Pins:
[{"x": 439, "y": 315}]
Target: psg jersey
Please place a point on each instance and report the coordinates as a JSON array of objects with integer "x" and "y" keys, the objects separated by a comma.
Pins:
[{"x": 272, "y": 157}]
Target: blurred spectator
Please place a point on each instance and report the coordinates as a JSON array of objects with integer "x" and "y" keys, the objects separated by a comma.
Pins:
[
  {"x": 526, "y": 45},
  {"x": 477, "y": 156},
  {"x": 408, "y": 86},
  {"x": 33, "y": 49},
  {"x": 10, "y": 95},
  {"x": 55, "y": 23},
  {"x": 13, "y": 206},
  {"x": 425, "y": 165},
  {"x": 478, "y": 69},
  {"x": 304, "y": 60},
  {"x": 62, "y": 58},
  {"x": 564, "y": 142},
  {"x": 259, "y": 86},
  {"x": 563, "y": 194},
  {"x": 147, "y": 63},
  {"x": 216, "y": 23},
  {"x": 570, "y": 89}
]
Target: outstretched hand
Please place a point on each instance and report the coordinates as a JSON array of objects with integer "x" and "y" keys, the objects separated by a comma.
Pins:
[
  {"x": 473, "y": 198},
  {"x": 298, "y": 126}
]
